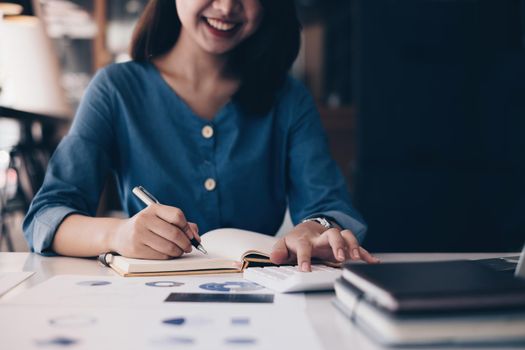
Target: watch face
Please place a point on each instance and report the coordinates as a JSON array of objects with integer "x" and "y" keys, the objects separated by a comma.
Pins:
[{"x": 325, "y": 223}]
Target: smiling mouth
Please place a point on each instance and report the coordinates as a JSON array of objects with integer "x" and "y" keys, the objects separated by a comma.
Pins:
[{"x": 221, "y": 26}]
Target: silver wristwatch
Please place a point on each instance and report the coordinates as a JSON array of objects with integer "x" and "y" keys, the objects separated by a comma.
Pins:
[{"x": 321, "y": 220}]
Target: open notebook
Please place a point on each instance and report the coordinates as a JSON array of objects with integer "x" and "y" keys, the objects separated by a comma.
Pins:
[{"x": 229, "y": 250}]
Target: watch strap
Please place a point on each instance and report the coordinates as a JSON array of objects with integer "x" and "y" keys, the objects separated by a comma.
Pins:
[{"x": 323, "y": 221}]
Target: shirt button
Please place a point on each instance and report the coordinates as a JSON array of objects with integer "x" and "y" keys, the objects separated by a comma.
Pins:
[
  {"x": 207, "y": 132},
  {"x": 210, "y": 184}
]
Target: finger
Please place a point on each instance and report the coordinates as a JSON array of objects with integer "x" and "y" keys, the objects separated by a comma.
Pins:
[
  {"x": 146, "y": 252},
  {"x": 187, "y": 230},
  {"x": 280, "y": 254},
  {"x": 304, "y": 254},
  {"x": 367, "y": 257},
  {"x": 173, "y": 215},
  {"x": 169, "y": 232},
  {"x": 195, "y": 231},
  {"x": 337, "y": 242},
  {"x": 352, "y": 244},
  {"x": 190, "y": 230},
  {"x": 162, "y": 245}
]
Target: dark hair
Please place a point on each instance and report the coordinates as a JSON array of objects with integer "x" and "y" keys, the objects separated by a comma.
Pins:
[{"x": 262, "y": 61}]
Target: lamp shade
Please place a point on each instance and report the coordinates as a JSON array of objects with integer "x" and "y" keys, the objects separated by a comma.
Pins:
[
  {"x": 10, "y": 9},
  {"x": 30, "y": 77}
]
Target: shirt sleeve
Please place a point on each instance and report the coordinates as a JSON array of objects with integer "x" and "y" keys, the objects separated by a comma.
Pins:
[
  {"x": 316, "y": 184},
  {"x": 78, "y": 169}
]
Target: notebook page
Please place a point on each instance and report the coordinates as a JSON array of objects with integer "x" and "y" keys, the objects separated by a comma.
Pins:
[{"x": 232, "y": 244}]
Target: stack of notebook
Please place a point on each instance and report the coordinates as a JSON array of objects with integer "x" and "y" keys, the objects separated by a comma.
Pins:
[{"x": 433, "y": 303}]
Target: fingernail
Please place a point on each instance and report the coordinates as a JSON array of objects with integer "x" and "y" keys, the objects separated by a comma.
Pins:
[
  {"x": 355, "y": 253},
  {"x": 305, "y": 267},
  {"x": 340, "y": 254}
]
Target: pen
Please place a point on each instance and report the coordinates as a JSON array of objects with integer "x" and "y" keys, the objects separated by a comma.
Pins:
[{"x": 148, "y": 199}]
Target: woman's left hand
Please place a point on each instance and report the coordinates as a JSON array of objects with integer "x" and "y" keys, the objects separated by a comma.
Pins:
[{"x": 311, "y": 239}]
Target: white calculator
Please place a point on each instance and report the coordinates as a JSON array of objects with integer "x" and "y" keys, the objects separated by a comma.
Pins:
[{"x": 290, "y": 279}]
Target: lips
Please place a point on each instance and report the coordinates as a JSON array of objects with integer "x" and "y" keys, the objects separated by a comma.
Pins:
[{"x": 222, "y": 28}]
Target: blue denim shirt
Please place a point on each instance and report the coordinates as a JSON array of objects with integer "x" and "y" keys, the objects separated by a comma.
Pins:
[{"x": 132, "y": 125}]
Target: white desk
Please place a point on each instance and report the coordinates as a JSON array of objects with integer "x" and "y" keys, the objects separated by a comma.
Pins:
[{"x": 334, "y": 331}]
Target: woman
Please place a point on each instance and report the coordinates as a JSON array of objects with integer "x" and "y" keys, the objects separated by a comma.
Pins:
[{"x": 207, "y": 120}]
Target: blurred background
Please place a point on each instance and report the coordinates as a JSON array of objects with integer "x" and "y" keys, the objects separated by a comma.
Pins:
[{"x": 423, "y": 102}]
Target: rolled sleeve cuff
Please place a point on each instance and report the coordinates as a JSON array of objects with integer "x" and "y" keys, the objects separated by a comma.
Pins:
[
  {"x": 46, "y": 225},
  {"x": 347, "y": 222}
]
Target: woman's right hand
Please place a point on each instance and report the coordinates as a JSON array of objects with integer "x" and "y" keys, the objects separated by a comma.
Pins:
[{"x": 156, "y": 232}]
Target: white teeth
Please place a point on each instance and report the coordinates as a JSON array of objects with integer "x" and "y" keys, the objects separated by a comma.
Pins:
[{"x": 220, "y": 25}]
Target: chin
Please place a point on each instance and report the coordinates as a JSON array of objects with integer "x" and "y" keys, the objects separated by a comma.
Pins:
[{"x": 218, "y": 49}]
